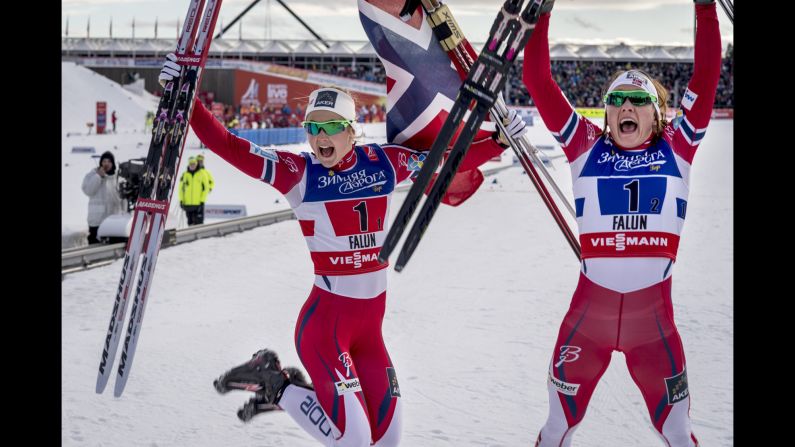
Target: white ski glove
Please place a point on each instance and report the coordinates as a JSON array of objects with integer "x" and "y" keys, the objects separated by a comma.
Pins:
[
  {"x": 171, "y": 69},
  {"x": 514, "y": 125}
]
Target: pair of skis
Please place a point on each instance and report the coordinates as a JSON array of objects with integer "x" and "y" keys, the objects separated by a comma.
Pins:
[
  {"x": 728, "y": 8},
  {"x": 151, "y": 209},
  {"x": 480, "y": 91}
]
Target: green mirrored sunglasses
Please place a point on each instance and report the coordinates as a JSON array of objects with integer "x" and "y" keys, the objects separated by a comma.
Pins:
[
  {"x": 332, "y": 127},
  {"x": 636, "y": 97}
]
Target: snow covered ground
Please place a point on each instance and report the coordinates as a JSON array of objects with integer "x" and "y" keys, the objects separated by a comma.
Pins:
[{"x": 470, "y": 323}]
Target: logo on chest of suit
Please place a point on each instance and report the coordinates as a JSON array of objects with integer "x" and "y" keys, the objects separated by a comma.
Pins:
[
  {"x": 291, "y": 166},
  {"x": 415, "y": 162},
  {"x": 669, "y": 130},
  {"x": 625, "y": 163},
  {"x": 353, "y": 182},
  {"x": 371, "y": 154},
  {"x": 402, "y": 160}
]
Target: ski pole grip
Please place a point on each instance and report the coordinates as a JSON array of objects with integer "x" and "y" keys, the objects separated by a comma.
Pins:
[
  {"x": 445, "y": 28},
  {"x": 533, "y": 11}
]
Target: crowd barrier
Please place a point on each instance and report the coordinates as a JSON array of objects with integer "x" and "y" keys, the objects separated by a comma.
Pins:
[{"x": 275, "y": 136}]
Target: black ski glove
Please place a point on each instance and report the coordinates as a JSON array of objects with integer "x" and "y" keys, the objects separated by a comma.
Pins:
[{"x": 546, "y": 7}]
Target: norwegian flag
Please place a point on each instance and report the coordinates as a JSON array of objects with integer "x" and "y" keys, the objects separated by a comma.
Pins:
[{"x": 422, "y": 84}]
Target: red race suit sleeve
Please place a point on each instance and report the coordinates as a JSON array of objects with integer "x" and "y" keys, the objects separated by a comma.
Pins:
[{"x": 281, "y": 169}]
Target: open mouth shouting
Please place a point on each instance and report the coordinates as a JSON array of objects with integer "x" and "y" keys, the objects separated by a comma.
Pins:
[
  {"x": 325, "y": 151},
  {"x": 627, "y": 126}
]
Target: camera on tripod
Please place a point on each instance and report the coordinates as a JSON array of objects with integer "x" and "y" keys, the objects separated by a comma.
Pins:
[{"x": 130, "y": 174}]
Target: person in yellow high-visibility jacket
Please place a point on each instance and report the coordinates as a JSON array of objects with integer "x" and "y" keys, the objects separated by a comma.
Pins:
[
  {"x": 210, "y": 180},
  {"x": 193, "y": 190}
]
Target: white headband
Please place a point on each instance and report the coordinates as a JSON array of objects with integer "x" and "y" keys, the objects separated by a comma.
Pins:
[
  {"x": 638, "y": 79},
  {"x": 635, "y": 78},
  {"x": 332, "y": 100}
]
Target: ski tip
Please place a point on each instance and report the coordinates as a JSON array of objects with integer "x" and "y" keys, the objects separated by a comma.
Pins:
[
  {"x": 119, "y": 388},
  {"x": 404, "y": 256},
  {"x": 383, "y": 254},
  {"x": 102, "y": 382}
]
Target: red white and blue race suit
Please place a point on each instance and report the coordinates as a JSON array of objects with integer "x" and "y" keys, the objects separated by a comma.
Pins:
[
  {"x": 343, "y": 214},
  {"x": 630, "y": 208}
]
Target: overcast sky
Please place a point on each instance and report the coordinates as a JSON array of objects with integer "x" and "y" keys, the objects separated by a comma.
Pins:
[{"x": 595, "y": 21}]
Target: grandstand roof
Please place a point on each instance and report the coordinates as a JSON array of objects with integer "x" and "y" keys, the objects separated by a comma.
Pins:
[
  {"x": 276, "y": 47},
  {"x": 562, "y": 51},
  {"x": 308, "y": 48},
  {"x": 81, "y": 46},
  {"x": 148, "y": 46},
  {"x": 168, "y": 44},
  {"x": 623, "y": 52},
  {"x": 339, "y": 48},
  {"x": 656, "y": 54},
  {"x": 118, "y": 45},
  {"x": 244, "y": 47},
  {"x": 219, "y": 46},
  {"x": 592, "y": 52},
  {"x": 78, "y": 45},
  {"x": 682, "y": 53}
]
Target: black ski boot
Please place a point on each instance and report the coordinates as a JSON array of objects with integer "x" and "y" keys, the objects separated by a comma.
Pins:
[
  {"x": 263, "y": 375},
  {"x": 260, "y": 403}
]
